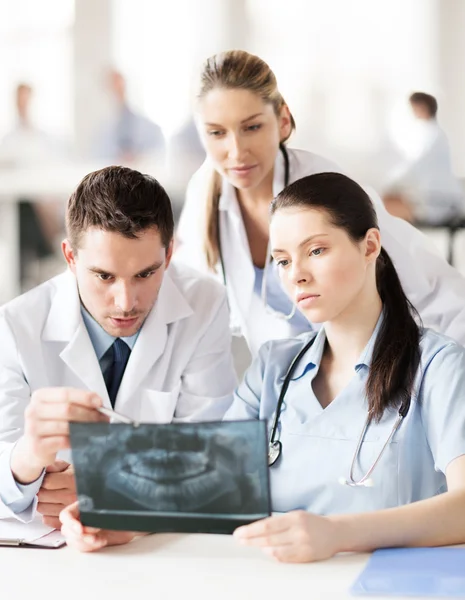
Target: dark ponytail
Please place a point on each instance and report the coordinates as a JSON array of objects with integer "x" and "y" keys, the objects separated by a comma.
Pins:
[{"x": 396, "y": 353}]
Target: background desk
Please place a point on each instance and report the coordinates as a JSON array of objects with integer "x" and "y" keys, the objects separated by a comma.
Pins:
[
  {"x": 172, "y": 567},
  {"x": 41, "y": 184},
  {"x": 58, "y": 181}
]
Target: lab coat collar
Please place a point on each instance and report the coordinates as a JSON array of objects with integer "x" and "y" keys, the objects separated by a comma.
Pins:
[
  {"x": 312, "y": 358},
  {"x": 65, "y": 324},
  {"x": 171, "y": 306},
  {"x": 279, "y": 173},
  {"x": 228, "y": 199},
  {"x": 64, "y": 316},
  {"x": 65, "y": 311},
  {"x": 101, "y": 340}
]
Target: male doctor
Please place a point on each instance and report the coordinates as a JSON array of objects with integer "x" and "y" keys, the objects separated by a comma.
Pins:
[{"x": 118, "y": 329}]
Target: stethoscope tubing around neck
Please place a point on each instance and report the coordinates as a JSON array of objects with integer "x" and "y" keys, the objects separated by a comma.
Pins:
[
  {"x": 275, "y": 445},
  {"x": 282, "y": 393},
  {"x": 285, "y": 154}
]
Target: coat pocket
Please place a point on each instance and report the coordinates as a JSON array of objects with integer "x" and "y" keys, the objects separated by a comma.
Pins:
[{"x": 157, "y": 406}]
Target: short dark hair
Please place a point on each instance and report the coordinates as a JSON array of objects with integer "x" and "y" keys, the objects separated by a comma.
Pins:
[
  {"x": 120, "y": 200},
  {"x": 426, "y": 100},
  {"x": 23, "y": 87}
]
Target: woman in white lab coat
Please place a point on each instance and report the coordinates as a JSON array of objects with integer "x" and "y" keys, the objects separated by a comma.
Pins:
[{"x": 244, "y": 124}]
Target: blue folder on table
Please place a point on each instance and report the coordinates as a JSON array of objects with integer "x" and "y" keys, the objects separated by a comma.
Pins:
[{"x": 413, "y": 572}]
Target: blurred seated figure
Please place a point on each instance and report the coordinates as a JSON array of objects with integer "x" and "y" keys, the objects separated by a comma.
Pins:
[
  {"x": 424, "y": 189},
  {"x": 27, "y": 146},
  {"x": 127, "y": 137},
  {"x": 185, "y": 147}
]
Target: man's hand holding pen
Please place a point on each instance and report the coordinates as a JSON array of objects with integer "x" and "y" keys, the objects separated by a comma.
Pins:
[{"x": 46, "y": 430}]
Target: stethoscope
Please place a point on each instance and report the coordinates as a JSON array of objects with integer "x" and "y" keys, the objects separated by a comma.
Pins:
[
  {"x": 268, "y": 308},
  {"x": 275, "y": 446}
]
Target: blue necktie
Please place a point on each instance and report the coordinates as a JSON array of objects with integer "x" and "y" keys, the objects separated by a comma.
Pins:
[{"x": 121, "y": 352}]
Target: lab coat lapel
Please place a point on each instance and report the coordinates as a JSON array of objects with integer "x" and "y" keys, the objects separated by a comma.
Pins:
[
  {"x": 65, "y": 324},
  {"x": 235, "y": 250},
  {"x": 151, "y": 344},
  {"x": 280, "y": 173}
]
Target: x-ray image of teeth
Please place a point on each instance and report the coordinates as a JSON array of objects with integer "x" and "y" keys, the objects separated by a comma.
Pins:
[{"x": 185, "y": 468}]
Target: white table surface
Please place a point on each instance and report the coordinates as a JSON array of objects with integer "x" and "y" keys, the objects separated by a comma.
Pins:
[{"x": 172, "y": 566}]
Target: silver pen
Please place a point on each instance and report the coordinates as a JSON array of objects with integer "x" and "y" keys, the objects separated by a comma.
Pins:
[
  {"x": 11, "y": 542},
  {"x": 116, "y": 416}
]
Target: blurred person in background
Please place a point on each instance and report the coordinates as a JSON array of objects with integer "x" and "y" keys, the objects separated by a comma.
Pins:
[
  {"x": 27, "y": 146},
  {"x": 185, "y": 143},
  {"x": 244, "y": 123},
  {"x": 127, "y": 137},
  {"x": 423, "y": 188},
  {"x": 185, "y": 156}
]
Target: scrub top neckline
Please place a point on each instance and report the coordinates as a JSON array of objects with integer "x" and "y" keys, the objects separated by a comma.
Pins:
[{"x": 311, "y": 362}]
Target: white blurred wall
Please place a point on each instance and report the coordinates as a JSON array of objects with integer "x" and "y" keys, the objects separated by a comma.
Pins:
[
  {"x": 451, "y": 70},
  {"x": 36, "y": 48},
  {"x": 345, "y": 68}
]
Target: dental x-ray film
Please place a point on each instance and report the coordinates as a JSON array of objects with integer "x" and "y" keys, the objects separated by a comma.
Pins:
[{"x": 183, "y": 477}]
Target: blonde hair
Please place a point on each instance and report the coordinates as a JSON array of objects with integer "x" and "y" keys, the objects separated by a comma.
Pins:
[{"x": 235, "y": 69}]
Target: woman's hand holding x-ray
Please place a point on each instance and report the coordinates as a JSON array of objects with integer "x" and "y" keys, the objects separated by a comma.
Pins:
[{"x": 296, "y": 537}]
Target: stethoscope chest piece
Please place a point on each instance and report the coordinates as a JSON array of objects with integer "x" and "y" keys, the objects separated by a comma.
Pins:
[{"x": 274, "y": 452}]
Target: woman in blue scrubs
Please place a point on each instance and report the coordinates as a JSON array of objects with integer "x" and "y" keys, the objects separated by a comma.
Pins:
[{"x": 370, "y": 364}]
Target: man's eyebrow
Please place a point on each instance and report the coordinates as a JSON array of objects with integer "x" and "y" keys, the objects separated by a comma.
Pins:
[
  {"x": 242, "y": 122},
  {"x": 304, "y": 242},
  {"x": 99, "y": 271},
  {"x": 153, "y": 267}
]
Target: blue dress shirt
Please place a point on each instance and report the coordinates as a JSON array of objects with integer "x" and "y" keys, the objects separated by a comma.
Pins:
[
  {"x": 129, "y": 133},
  {"x": 101, "y": 340}
]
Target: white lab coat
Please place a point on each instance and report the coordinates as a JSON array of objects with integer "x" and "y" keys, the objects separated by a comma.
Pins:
[
  {"x": 435, "y": 288},
  {"x": 26, "y": 146},
  {"x": 179, "y": 370},
  {"x": 426, "y": 176}
]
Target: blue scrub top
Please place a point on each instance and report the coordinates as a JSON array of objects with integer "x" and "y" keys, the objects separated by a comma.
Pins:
[{"x": 319, "y": 444}]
